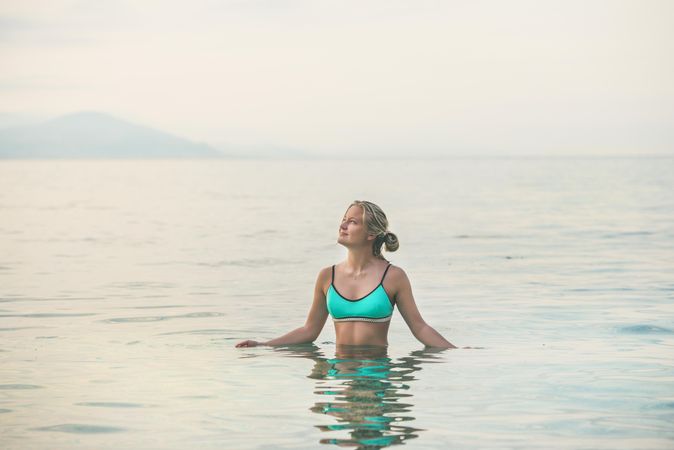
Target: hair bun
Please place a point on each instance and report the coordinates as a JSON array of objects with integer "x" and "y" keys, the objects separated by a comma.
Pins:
[{"x": 391, "y": 241}]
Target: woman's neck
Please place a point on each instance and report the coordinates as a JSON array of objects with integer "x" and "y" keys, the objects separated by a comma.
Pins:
[{"x": 359, "y": 260}]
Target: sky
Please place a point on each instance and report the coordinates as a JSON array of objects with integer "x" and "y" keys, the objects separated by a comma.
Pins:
[{"x": 380, "y": 77}]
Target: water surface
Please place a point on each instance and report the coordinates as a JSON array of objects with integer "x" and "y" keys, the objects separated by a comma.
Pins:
[{"x": 124, "y": 286}]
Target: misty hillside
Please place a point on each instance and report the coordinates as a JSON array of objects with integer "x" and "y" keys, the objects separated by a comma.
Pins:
[{"x": 96, "y": 135}]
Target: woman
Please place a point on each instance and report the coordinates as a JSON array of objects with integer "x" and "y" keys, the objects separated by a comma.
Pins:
[{"x": 345, "y": 291}]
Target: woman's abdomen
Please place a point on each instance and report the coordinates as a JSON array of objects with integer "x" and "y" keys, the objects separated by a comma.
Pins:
[{"x": 361, "y": 333}]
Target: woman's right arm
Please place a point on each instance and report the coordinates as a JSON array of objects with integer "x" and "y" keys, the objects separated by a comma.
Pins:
[{"x": 316, "y": 318}]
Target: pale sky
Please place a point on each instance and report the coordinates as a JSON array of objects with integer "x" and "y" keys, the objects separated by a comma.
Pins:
[{"x": 350, "y": 77}]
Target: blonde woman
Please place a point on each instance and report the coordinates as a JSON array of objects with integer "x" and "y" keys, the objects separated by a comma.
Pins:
[{"x": 360, "y": 292}]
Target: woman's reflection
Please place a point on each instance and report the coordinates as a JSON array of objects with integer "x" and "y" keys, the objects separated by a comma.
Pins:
[{"x": 366, "y": 391}]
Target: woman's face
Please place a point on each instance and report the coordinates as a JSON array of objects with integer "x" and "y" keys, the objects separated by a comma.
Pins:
[{"x": 353, "y": 230}]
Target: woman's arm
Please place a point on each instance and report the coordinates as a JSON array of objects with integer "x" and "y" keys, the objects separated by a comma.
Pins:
[
  {"x": 318, "y": 314},
  {"x": 408, "y": 309}
]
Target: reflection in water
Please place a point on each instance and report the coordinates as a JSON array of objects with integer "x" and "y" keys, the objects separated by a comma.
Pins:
[{"x": 366, "y": 391}]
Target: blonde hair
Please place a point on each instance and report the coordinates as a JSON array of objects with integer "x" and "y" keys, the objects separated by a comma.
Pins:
[{"x": 377, "y": 225}]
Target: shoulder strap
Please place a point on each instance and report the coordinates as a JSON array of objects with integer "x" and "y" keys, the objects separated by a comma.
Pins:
[
  {"x": 333, "y": 274},
  {"x": 382, "y": 277}
]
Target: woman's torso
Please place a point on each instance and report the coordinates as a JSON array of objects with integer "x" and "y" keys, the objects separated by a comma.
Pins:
[{"x": 361, "y": 309}]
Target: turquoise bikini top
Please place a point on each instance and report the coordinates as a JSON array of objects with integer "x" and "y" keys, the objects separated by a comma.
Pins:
[{"x": 374, "y": 307}]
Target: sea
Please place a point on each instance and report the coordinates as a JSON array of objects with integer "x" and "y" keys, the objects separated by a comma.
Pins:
[{"x": 125, "y": 285}]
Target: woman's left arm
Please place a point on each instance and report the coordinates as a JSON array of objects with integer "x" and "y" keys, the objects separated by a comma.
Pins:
[{"x": 408, "y": 309}]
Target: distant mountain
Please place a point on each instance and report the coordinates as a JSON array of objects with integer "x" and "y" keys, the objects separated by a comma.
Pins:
[{"x": 92, "y": 134}]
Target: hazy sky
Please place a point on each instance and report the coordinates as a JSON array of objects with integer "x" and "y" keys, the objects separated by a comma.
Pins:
[{"x": 345, "y": 77}]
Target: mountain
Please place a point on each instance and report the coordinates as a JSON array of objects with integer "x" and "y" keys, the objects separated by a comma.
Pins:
[{"x": 91, "y": 134}]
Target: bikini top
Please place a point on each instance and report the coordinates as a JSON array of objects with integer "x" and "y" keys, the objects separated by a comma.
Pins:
[{"x": 374, "y": 307}]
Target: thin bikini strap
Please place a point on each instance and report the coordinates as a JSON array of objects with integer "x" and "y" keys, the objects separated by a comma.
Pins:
[
  {"x": 382, "y": 277},
  {"x": 332, "y": 281}
]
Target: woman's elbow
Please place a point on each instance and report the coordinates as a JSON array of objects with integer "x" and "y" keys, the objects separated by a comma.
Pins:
[{"x": 312, "y": 332}]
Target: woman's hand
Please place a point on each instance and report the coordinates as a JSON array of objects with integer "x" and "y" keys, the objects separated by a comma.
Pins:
[{"x": 247, "y": 343}]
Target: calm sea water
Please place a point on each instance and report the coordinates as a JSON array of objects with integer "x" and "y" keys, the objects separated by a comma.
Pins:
[{"x": 124, "y": 286}]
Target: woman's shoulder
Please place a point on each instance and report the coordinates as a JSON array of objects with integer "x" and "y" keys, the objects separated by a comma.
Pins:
[
  {"x": 325, "y": 273},
  {"x": 396, "y": 272}
]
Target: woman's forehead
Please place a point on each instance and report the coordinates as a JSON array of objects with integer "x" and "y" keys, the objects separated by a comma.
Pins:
[{"x": 354, "y": 211}]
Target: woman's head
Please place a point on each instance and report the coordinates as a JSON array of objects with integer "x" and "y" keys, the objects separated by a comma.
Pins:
[{"x": 367, "y": 222}]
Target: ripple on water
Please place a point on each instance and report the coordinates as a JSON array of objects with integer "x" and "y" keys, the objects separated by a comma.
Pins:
[
  {"x": 159, "y": 318},
  {"x": 206, "y": 332},
  {"x": 142, "y": 285},
  {"x": 111, "y": 404},
  {"x": 18, "y": 328},
  {"x": 20, "y": 386},
  {"x": 48, "y": 299},
  {"x": 46, "y": 315},
  {"x": 249, "y": 262},
  {"x": 162, "y": 306},
  {"x": 662, "y": 406},
  {"x": 80, "y": 428},
  {"x": 645, "y": 329},
  {"x": 624, "y": 234},
  {"x": 483, "y": 236}
]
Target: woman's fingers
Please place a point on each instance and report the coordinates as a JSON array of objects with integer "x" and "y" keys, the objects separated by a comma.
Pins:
[{"x": 247, "y": 343}]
